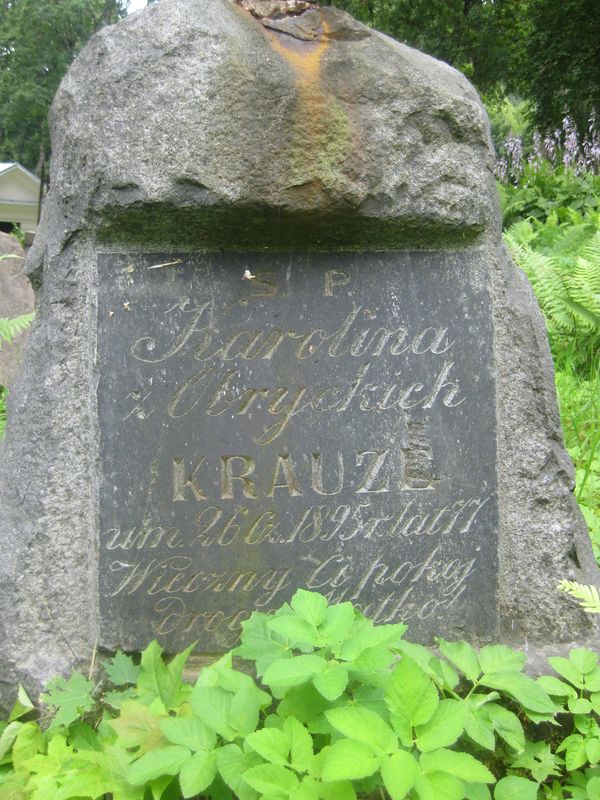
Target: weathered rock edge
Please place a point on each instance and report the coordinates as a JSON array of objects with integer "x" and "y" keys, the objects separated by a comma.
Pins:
[{"x": 189, "y": 126}]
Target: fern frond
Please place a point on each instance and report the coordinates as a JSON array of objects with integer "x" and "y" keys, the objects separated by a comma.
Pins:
[
  {"x": 9, "y": 328},
  {"x": 591, "y": 251},
  {"x": 587, "y": 596},
  {"x": 520, "y": 233}
]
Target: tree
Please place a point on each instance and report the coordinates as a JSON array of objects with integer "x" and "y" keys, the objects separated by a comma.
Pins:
[
  {"x": 483, "y": 38},
  {"x": 563, "y": 61},
  {"x": 38, "y": 41}
]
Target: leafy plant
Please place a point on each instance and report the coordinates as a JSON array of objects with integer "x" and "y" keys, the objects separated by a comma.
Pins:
[
  {"x": 588, "y": 596},
  {"x": 9, "y": 328},
  {"x": 543, "y": 189},
  {"x": 564, "y": 270},
  {"x": 339, "y": 708}
]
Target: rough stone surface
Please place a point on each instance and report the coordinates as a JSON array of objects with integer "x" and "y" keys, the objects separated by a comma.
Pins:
[
  {"x": 16, "y": 298},
  {"x": 191, "y": 127}
]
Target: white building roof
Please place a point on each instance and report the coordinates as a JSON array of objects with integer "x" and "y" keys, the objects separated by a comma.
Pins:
[{"x": 5, "y": 166}]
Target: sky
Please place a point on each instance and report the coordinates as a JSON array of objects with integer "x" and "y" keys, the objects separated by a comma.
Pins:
[{"x": 135, "y": 5}]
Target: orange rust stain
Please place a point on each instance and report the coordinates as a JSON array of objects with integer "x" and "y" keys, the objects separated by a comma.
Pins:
[{"x": 304, "y": 57}]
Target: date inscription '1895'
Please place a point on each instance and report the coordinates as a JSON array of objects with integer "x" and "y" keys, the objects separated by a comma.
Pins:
[{"x": 328, "y": 423}]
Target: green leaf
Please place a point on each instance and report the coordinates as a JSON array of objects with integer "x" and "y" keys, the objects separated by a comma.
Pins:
[
  {"x": 522, "y": 688},
  {"x": 364, "y": 635},
  {"x": 399, "y": 772},
  {"x": 27, "y": 744},
  {"x": 411, "y": 695},
  {"x": 338, "y": 790},
  {"x": 337, "y": 623},
  {"x": 69, "y": 699},
  {"x": 212, "y": 705},
  {"x": 424, "y": 789},
  {"x": 446, "y": 787},
  {"x": 444, "y": 727},
  {"x": 117, "y": 697},
  {"x": 271, "y": 780},
  {"x": 349, "y": 760},
  {"x": 463, "y": 656},
  {"x": 555, "y": 687},
  {"x": 260, "y": 643},
  {"x": 584, "y": 660},
  {"x": 232, "y": 764},
  {"x": 363, "y": 726},
  {"x": 310, "y": 606},
  {"x": 188, "y": 732},
  {"x": 159, "y": 786},
  {"x": 332, "y": 681},
  {"x": 302, "y": 702},
  {"x": 197, "y": 773},
  {"x": 9, "y": 734},
  {"x": 575, "y": 754},
  {"x": 500, "y": 658},
  {"x": 271, "y": 744},
  {"x": 592, "y": 750},
  {"x": 159, "y": 680},
  {"x": 121, "y": 670},
  {"x": 477, "y": 791},
  {"x": 84, "y": 737},
  {"x": 440, "y": 786},
  {"x": 22, "y": 706},
  {"x": 513, "y": 787},
  {"x": 294, "y": 671},
  {"x": 579, "y": 705},
  {"x": 479, "y": 727},
  {"x": 245, "y": 709},
  {"x": 137, "y": 726},
  {"x": 296, "y": 630},
  {"x": 12, "y": 790},
  {"x": 592, "y": 680},
  {"x": 507, "y": 726},
  {"x": 462, "y": 765},
  {"x": 443, "y": 673},
  {"x": 163, "y": 761},
  {"x": 307, "y": 790},
  {"x": 539, "y": 759},
  {"x": 300, "y": 744},
  {"x": 568, "y": 670}
]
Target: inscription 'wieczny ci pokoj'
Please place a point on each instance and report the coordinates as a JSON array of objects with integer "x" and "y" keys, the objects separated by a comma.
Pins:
[{"x": 328, "y": 424}]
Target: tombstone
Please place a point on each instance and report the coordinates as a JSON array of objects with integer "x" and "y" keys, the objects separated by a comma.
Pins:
[
  {"x": 280, "y": 344},
  {"x": 16, "y": 298}
]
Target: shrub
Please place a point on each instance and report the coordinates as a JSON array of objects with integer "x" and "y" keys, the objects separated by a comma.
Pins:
[{"x": 339, "y": 708}]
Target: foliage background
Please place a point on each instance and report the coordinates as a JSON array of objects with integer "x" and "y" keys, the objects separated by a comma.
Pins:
[{"x": 38, "y": 41}]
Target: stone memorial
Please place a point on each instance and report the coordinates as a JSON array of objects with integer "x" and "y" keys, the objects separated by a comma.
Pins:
[{"x": 280, "y": 344}]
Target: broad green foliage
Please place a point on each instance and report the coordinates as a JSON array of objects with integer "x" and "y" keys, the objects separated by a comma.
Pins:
[
  {"x": 544, "y": 190},
  {"x": 340, "y": 708}
]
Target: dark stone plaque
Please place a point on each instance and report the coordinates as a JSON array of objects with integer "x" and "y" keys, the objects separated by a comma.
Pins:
[{"x": 274, "y": 421}]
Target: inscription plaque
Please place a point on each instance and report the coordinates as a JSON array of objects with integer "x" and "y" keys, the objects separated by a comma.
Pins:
[{"x": 273, "y": 421}]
